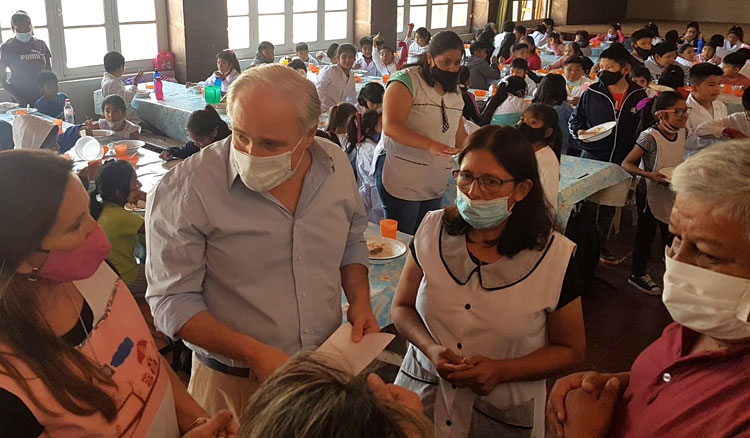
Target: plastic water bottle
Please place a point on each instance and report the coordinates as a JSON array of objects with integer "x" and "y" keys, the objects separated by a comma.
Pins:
[
  {"x": 69, "y": 114},
  {"x": 217, "y": 83},
  {"x": 158, "y": 86}
]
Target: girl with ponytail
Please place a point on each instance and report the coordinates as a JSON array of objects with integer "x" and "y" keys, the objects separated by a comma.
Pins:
[
  {"x": 363, "y": 137},
  {"x": 203, "y": 127},
  {"x": 508, "y": 99}
]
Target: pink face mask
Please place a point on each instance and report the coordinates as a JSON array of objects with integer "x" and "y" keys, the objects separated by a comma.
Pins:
[{"x": 78, "y": 263}]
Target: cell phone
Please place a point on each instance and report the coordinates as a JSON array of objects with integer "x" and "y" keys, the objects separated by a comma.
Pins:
[{"x": 153, "y": 148}]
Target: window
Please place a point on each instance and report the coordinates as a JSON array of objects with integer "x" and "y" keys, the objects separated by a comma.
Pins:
[
  {"x": 287, "y": 22},
  {"x": 435, "y": 15},
  {"x": 80, "y": 32},
  {"x": 527, "y": 10}
]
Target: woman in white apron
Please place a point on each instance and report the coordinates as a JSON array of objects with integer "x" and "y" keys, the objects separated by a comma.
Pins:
[
  {"x": 422, "y": 129},
  {"x": 659, "y": 149},
  {"x": 488, "y": 298},
  {"x": 76, "y": 356}
]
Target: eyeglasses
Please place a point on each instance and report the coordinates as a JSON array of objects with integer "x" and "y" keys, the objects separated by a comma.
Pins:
[
  {"x": 679, "y": 111},
  {"x": 488, "y": 184}
]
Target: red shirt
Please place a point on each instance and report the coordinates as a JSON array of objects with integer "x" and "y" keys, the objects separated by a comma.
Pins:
[
  {"x": 679, "y": 395},
  {"x": 619, "y": 99},
  {"x": 739, "y": 80}
]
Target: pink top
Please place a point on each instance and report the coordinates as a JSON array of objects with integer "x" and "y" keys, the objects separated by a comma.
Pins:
[{"x": 121, "y": 342}]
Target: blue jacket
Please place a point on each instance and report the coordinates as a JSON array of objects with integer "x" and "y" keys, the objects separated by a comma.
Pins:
[{"x": 596, "y": 107}]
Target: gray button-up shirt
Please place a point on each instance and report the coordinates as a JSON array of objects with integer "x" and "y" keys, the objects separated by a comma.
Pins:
[{"x": 215, "y": 245}]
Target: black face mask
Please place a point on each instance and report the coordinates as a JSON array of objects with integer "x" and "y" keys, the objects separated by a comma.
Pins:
[
  {"x": 448, "y": 80},
  {"x": 532, "y": 135},
  {"x": 643, "y": 53},
  {"x": 609, "y": 78}
]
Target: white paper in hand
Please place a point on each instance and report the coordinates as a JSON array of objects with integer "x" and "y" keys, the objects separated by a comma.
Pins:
[{"x": 353, "y": 357}]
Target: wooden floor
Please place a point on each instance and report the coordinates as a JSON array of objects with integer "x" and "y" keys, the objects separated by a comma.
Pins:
[{"x": 707, "y": 29}]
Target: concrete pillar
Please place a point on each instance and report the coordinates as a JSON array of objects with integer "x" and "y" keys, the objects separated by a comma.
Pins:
[
  {"x": 375, "y": 16},
  {"x": 195, "y": 51}
]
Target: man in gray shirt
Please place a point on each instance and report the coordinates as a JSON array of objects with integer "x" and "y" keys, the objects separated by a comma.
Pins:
[{"x": 251, "y": 240}]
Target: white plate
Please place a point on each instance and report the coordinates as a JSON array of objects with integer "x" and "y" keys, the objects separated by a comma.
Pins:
[
  {"x": 391, "y": 249},
  {"x": 13, "y": 112},
  {"x": 132, "y": 145},
  {"x": 142, "y": 93},
  {"x": 362, "y": 72},
  {"x": 598, "y": 132},
  {"x": 5, "y": 106},
  {"x": 659, "y": 88},
  {"x": 102, "y": 132}
]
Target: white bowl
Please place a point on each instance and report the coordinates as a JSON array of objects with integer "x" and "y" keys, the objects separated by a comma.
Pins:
[
  {"x": 102, "y": 133},
  {"x": 5, "y": 106},
  {"x": 88, "y": 149},
  {"x": 132, "y": 145}
]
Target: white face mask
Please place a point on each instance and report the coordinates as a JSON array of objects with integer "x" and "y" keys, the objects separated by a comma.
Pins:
[
  {"x": 711, "y": 303},
  {"x": 261, "y": 174},
  {"x": 115, "y": 126}
]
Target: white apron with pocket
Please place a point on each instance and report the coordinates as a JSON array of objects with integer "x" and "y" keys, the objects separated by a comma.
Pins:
[{"x": 668, "y": 154}]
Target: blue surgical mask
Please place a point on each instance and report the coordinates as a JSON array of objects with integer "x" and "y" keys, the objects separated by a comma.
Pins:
[
  {"x": 574, "y": 83},
  {"x": 482, "y": 214},
  {"x": 376, "y": 136},
  {"x": 24, "y": 37}
]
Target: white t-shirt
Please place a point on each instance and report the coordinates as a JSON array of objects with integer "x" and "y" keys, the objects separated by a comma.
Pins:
[
  {"x": 549, "y": 174},
  {"x": 113, "y": 85},
  {"x": 715, "y": 128},
  {"x": 512, "y": 105},
  {"x": 698, "y": 116},
  {"x": 122, "y": 134},
  {"x": 362, "y": 64},
  {"x": 415, "y": 51}
]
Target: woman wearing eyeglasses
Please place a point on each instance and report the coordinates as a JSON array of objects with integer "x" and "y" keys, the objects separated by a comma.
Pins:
[
  {"x": 660, "y": 147},
  {"x": 488, "y": 298}
]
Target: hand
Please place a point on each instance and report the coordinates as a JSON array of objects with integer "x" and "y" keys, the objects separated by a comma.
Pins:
[
  {"x": 166, "y": 156},
  {"x": 733, "y": 133},
  {"x": 437, "y": 148},
  {"x": 391, "y": 392},
  {"x": 580, "y": 133},
  {"x": 574, "y": 101},
  {"x": 377, "y": 38},
  {"x": 362, "y": 319},
  {"x": 482, "y": 377},
  {"x": 222, "y": 425},
  {"x": 446, "y": 361},
  {"x": 137, "y": 195},
  {"x": 189, "y": 84},
  {"x": 221, "y": 75},
  {"x": 265, "y": 360},
  {"x": 411, "y": 27},
  {"x": 138, "y": 77},
  {"x": 590, "y": 413},
  {"x": 657, "y": 178},
  {"x": 89, "y": 125},
  {"x": 588, "y": 381}
]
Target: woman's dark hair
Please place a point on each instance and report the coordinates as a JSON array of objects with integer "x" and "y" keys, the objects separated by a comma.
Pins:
[
  {"x": 338, "y": 116},
  {"x": 422, "y": 32},
  {"x": 333, "y": 50},
  {"x": 507, "y": 45},
  {"x": 531, "y": 223},
  {"x": 112, "y": 186},
  {"x": 514, "y": 85},
  {"x": 737, "y": 30},
  {"x": 548, "y": 115},
  {"x": 20, "y": 17},
  {"x": 552, "y": 90},
  {"x": 585, "y": 37},
  {"x": 716, "y": 40},
  {"x": 372, "y": 92},
  {"x": 229, "y": 56},
  {"x": 653, "y": 28},
  {"x": 508, "y": 26},
  {"x": 361, "y": 124},
  {"x": 662, "y": 101},
  {"x": 673, "y": 36},
  {"x": 442, "y": 42},
  {"x": 673, "y": 76},
  {"x": 203, "y": 122},
  {"x": 116, "y": 101},
  {"x": 35, "y": 183}
]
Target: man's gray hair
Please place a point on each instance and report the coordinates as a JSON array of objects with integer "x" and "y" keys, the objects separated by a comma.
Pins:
[
  {"x": 719, "y": 176},
  {"x": 286, "y": 82}
]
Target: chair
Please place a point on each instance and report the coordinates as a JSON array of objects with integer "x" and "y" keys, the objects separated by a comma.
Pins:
[{"x": 506, "y": 119}]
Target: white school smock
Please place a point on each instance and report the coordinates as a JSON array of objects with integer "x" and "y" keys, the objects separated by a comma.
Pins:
[
  {"x": 362, "y": 64},
  {"x": 668, "y": 154},
  {"x": 211, "y": 80},
  {"x": 368, "y": 190},
  {"x": 497, "y": 310},
  {"x": 415, "y": 174},
  {"x": 335, "y": 87},
  {"x": 698, "y": 116},
  {"x": 415, "y": 52}
]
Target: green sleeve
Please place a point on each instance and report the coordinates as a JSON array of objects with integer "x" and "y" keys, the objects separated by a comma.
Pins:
[{"x": 403, "y": 77}]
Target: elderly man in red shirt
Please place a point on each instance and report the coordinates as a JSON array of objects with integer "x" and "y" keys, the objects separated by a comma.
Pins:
[{"x": 694, "y": 381}]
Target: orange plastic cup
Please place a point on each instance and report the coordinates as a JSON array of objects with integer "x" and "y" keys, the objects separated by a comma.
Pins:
[
  {"x": 121, "y": 151},
  {"x": 388, "y": 228},
  {"x": 20, "y": 112},
  {"x": 149, "y": 86},
  {"x": 58, "y": 122},
  {"x": 357, "y": 79},
  {"x": 480, "y": 93},
  {"x": 738, "y": 92},
  {"x": 105, "y": 149},
  {"x": 385, "y": 78},
  {"x": 726, "y": 89}
]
